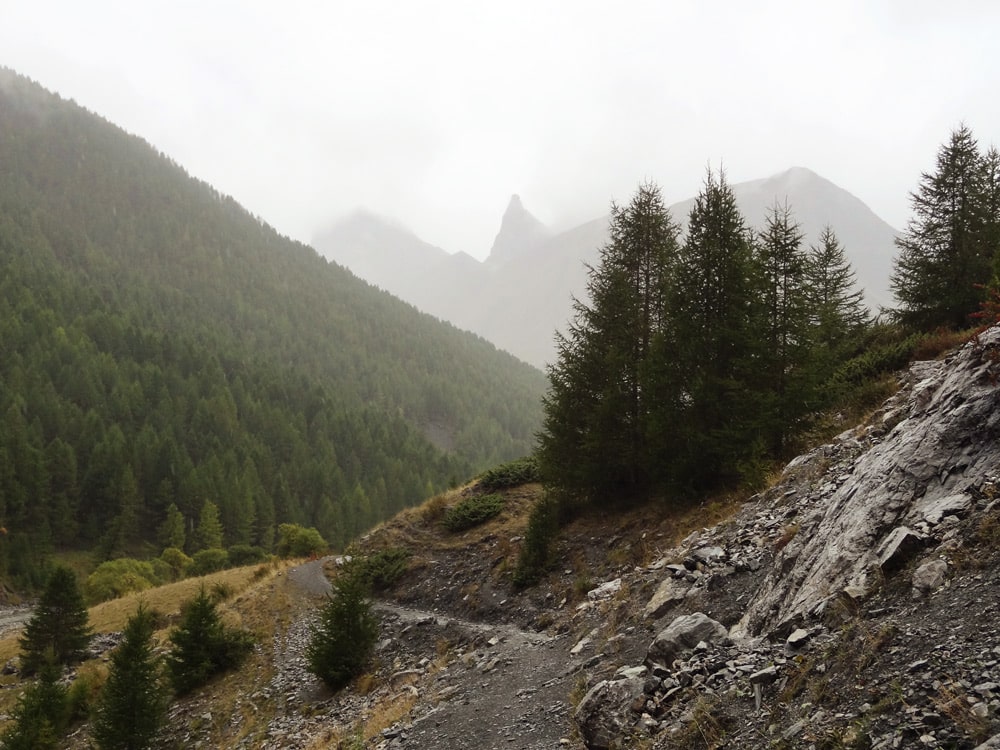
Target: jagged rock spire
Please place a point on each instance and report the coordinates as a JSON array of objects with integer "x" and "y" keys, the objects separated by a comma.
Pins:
[{"x": 519, "y": 232}]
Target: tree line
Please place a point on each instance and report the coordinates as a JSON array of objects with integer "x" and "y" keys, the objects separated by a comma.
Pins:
[
  {"x": 697, "y": 357},
  {"x": 697, "y": 360}
]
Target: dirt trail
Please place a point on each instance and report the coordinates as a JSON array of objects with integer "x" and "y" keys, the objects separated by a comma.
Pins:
[{"x": 501, "y": 687}]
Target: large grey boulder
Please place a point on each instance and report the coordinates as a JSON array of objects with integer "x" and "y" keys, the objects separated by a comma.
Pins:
[
  {"x": 929, "y": 577},
  {"x": 605, "y": 715},
  {"x": 683, "y": 634}
]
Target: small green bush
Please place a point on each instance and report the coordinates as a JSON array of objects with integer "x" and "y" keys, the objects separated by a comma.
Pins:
[
  {"x": 472, "y": 511},
  {"x": 244, "y": 554},
  {"x": 209, "y": 561},
  {"x": 380, "y": 570},
  {"x": 178, "y": 562},
  {"x": 298, "y": 541},
  {"x": 511, "y": 474},
  {"x": 83, "y": 694},
  {"x": 877, "y": 360},
  {"x": 116, "y": 578},
  {"x": 201, "y": 646},
  {"x": 536, "y": 553}
]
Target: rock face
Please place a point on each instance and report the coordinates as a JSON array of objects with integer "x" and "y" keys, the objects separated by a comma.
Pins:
[
  {"x": 940, "y": 440},
  {"x": 519, "y": 233},
  {"x": 869, "y": 570}
]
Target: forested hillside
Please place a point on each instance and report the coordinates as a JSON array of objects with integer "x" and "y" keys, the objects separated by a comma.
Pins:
[{"x": 159, "y": 345}]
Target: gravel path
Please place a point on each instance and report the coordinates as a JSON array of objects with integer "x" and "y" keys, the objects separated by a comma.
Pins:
[{"x": 500, "y": 687}]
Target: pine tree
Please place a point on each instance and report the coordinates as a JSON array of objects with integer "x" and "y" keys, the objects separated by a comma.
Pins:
[
  {"x": 597, "y": 411},
  {"x": 208, "y": 535},
  {"x": 836, "y": 307},
  {"x": 42, "y": 713},
  {"x": 132, "y": 702},
  {"x": 201, "y": 646},
  {"x": 59, "y": 626},
  {"x": 171, "y": 531},
  {"x": 990, "y": 174},
  {"x": 344, "y": 637},
  {"x": 782, "y": 264},
  {"x": 713, "y": 345},
  {"x": 943, "y": 261}
]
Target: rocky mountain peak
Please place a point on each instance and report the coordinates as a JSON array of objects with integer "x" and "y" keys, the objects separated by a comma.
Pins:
[{"x": 519, "y": 232}]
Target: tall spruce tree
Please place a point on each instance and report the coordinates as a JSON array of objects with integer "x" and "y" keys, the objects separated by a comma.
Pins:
[
  {"x": 133, "y": 701},
  {"x": 594, "y": 440},
  {"x": 837, "y": 310},
  {"x": 782, "y": 263},
  {"x": 943, "y": 259},
  {"x": 58, "y": 629},
  {"x": 209, "y": 533},
  {"x": 990, "y": 171},
  {"x": 714, "y": 341}
]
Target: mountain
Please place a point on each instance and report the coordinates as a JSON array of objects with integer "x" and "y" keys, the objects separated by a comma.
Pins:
[
  {"x": 518, "y": 298},
  {"x": 160, "y": 345},
  {"x": 816, "y": 202},
  {"x": 520, "y": 232}
]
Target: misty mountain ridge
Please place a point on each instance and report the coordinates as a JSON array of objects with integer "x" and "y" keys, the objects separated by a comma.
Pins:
[
  {"x": 172, "y": 348},
  {"x": 520, "y": 232},
  {"x": 522, "y": 293}
]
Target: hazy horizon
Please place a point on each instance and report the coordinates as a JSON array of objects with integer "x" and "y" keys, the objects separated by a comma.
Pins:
[{"x": 435, "y": 115}]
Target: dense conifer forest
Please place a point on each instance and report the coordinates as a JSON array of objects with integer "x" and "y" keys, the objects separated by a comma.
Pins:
[
  {"x": 698, "y": 362},
  {"x": 161, "y": 346}
]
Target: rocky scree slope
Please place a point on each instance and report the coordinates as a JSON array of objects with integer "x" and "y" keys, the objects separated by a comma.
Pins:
[{"x": 855, "y": 604}]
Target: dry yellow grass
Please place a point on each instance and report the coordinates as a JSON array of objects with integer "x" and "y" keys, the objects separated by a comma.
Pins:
[{"x": 167, "y": 600}]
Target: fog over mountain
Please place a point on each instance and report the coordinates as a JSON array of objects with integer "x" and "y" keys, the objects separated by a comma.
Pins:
[
  {"x": 520, "y": 232},
  {"x": 522, "y": 293}
]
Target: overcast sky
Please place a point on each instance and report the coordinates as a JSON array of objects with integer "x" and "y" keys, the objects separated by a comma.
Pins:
[{"x": 434, "y": 113}]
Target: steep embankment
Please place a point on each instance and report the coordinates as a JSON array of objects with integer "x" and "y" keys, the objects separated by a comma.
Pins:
[
  {"x": 855, "y": 604},
  {"x": 852, "y": 605}
]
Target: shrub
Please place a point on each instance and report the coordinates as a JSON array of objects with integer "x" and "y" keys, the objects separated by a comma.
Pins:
[
  {"x": 58, "y": 630},
  {"x": 118, "y": 577},
  {"x": 244, "y": 554},
  {"x": 472, "y": 511},
  {"x": 178, "y": 562},
  {"x": 535, "y": 555},
  {"x": 209, "y": 561},
  {"x": 85, "y": 691},
  {"x": 511, "y": 474},
  {"x": 298, "y": 541},
  {"x": 380, "y": 570},
  {"x": 344, "y": 638},
  {"x": 201, "y": 646}
]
